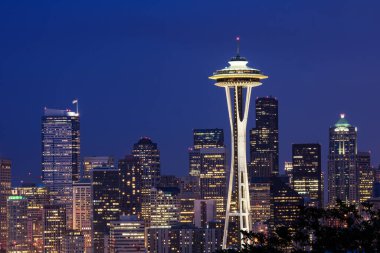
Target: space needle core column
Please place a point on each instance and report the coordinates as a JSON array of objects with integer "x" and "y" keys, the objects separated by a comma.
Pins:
[{"x": 237, "y": 77}]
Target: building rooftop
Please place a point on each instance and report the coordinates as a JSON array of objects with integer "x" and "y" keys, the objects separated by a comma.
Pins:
[
  {"x": 58, "y": 112},
  {"x": 342, "y": 122},
  {"x": 238, "y": 73}
]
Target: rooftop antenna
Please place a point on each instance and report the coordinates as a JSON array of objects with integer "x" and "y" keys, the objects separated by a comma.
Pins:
[
  {"x": 238, "y": 46},
  {"x": 75, "y": 101}
]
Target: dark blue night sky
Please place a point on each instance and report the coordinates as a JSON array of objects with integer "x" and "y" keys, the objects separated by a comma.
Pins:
[{"x": 140, "y": 68}]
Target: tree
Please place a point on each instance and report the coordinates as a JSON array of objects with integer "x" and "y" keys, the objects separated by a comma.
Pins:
[{"x": 339, "y": 229}]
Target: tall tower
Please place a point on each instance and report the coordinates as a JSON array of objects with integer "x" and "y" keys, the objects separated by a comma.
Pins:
[
  {"x": 306, "y": 174},
  {"x": 203, "y": 138},
  {"x": 105, "y": 205},
  {"x": 237, "y": 77},
  {"x": 82, "y": 211},
  {"x": 213, "y": 177},
  {"x": 60, "y": 156},
  {"x": 342, "y": 173},
  {"x": 130, "y": 186},
  {"x": 5, "y": 191},
  {"x": 18, "y": 224},
  {"x": 148, "y": 154},
  {"x": 264, "y": 139}
]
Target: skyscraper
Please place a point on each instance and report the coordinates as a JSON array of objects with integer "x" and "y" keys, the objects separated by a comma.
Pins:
[
  {"x": 342, "y": 173},
  {"x": 237, "y": 77},
  {"x": 91, "y": 162},
  {"x": 213, "y": 178},
  {"x": 164, "y": 207},
  {"x": 264, "y": 139},
  {"x": 5, "y": 191},
  {"x": 189, "y": 192},
  {"x": 37, "y": 197},
  {"x": 60, "y": 155},
  {"x": 260, "y": 193},
  {"x": 127, "y": 235},
  {"x": 73, "y": 242},
  {"x": 203, "y": 138},
  {"x": 82, "y": 211},
  {"x": 130, "y": 185},
  {"x": 106, "y": 204},
  {"x": 288, "y": 168},
  {"x": 54, "y": 227},
  {"x": 18, "y": 224},
  {"x": 306, "y": 174},
  {"x": 149, "y": 161},
  {"x": 285, "y": 204},
  {"x": 208, "y": 138},
  {"x": 183, "y": 238},
  {"x": 366, "y": 177}
]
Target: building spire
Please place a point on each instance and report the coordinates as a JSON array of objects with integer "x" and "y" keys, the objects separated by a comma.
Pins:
[
  {"x": 238, "y": 46},
  {"x": 76, "y": 102}
]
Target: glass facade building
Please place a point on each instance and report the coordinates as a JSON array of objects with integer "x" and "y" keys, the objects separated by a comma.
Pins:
[
  {"x": 306, "y": 173},
  {"x": 342, "y": 172},
  {"x": 264, "y": 147},
  {"x": 148, "y": 155},
  {"x": 61, "y": 155},
  {"x": 106, "y": 204},
  {"x": 82, "y": 211},
  {"x": 213, "y": 178},
  {"x": 130, "y": 186},
  {"x": 18, "y": 225},
  {"x": 5, "y": 191}
]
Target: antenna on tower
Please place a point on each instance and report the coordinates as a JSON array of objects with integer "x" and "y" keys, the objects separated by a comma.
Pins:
[
  {"x": 238, "y": 46},
  {"x": 76, "y": 102}
]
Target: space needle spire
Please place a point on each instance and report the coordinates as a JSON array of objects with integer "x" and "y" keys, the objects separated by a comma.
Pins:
[{"x": 237, "y": 79}]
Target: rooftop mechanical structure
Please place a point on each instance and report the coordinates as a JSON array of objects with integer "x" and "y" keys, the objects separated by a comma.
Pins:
[{"x": 237, "y": 79}]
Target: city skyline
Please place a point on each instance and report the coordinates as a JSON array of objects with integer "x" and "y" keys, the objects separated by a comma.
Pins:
[{"x": 286, "y": 46}]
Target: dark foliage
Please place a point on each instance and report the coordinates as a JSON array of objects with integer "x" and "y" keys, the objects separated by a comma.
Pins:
[{"x": 339, "y": 229}]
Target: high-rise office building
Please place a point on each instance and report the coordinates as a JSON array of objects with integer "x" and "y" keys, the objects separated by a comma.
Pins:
[
  {"x": 54, "y": 227},
  {"x": 82, "y": 211},
  {"x": 18, "y": 225},
  {"x": 237, "y": 77},
  {"x": 203, "y": 138},
  {"x": 61, "y": 155},
  {"x": 213, "y": 177},
  {"x": 285, "y": 204},
  {"x": 186, "y": 214},
  {"x": 37, "y": 198},
  {"x": 130, "y": 185},
  {"x": 342, "y": 173},
  {"x": 204, "y": 212},
  {"x": 189, "y": 192},
  {"x": 366, "y": 176},
  {"x": 260, "y": 189},
  {"x": 208, "y": 138},
  {"x": 91, "y": 162},
  {"x": 73, "y": 242},
  {"x": 164, "y": 207},
  {"x": 169, "y": 181},
  {"x": 306, "y": 174},
  {"x": 149, "y": 161},
  {"x": 127, "y": 235},
  {"x": 183, "y": 238},
  {"x": 5, "y": 191},
  {"x": 288, "y": 169},
  {"x": 106, "y": 204},
  {"x": 264, "y": 139}
]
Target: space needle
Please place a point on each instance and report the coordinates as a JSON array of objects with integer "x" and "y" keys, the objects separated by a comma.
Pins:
[{"x": 237, "y": 79}]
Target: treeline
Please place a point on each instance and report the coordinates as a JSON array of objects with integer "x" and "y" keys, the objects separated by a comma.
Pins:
[{"x": 340, "y": 229}]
